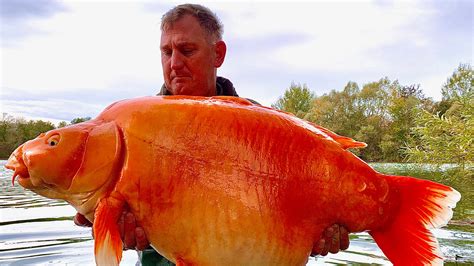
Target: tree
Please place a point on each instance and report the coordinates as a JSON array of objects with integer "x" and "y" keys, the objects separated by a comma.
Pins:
[
  {"x": 297, "y": 99},
  {"x": 457, "y": 87},
  {"x": 360, "y": 114},
  {"x": 374, "y": 101},
  {"x": 78, "y": 120},
  {"x": 405, "y": 102},
  {"x": 374, "y": 97},
  {"x": 16, "y": 131},
  {"x": 62, "y": 124},
  {"x": 31, "y": 129},
  {"x": 447, "y": 138},
  {"x": 339, "y": 111},
  {"x": 460, "y": 85}
]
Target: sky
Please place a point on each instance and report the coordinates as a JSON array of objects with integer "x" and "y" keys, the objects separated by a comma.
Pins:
[{"x": 66, "y": 59}]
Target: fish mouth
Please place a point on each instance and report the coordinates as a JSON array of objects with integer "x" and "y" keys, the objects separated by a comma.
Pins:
[{"x": 15, "y": 163}]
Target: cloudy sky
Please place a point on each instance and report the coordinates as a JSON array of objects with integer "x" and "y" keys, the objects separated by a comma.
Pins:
[{"x": 67, "y": 59}]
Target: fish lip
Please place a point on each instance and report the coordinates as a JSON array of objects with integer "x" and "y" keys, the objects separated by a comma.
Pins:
[
  {"x": 15, "y": 163},
  {"x": 20, "y": 177}
]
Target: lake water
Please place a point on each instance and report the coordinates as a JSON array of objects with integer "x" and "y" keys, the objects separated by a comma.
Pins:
[{"x": 36, "y": 230}]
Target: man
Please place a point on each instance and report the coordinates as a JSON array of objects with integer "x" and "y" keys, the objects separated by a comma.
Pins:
[{"x": 191, "y": 51}]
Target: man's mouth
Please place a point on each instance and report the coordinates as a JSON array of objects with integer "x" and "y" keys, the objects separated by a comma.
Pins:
[{"x": 181, "y": 78}]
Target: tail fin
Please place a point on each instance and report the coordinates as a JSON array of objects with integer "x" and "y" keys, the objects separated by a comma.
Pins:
[{"x": 424, "y": 205}]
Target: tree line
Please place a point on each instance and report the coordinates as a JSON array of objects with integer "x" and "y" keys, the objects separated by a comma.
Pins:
[
  {"x": 16, "y": 131},
  {"x": 398, "y": 122}
]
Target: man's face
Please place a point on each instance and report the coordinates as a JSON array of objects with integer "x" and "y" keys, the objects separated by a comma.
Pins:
[{"x": 189, "y": 59}]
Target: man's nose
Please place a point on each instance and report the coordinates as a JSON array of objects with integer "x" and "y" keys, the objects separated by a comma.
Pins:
[{"x": 177, "y": 61}]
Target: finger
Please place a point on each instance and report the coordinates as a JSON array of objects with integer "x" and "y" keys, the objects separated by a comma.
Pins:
[
  {"x": 325, "y": 249},
  {"x": 328, "y": 234},
  {"x": 318, "y": 248},
  {"x": 129, "y": 231},
  {"x": 334, "y": 244},
  {"x": 121, "y": 225},
  {"x": 81, "y": 220},
  {"x": 141, "y": 240},
  {"x": 344, "y": 239}
]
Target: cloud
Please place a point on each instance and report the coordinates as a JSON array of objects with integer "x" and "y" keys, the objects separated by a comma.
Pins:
[
  {"x": 16, "y": 17},
  {"x": 335, "y": 42},
  {"x": 24, "y": 9},
  {"x": 66, "y": 105},
  {"x": 69, "y": 64},
  {"x": 156, "y": 7},
  {"x": 84, "y": 49}
]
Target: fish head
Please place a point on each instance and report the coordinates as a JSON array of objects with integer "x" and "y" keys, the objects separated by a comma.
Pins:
[{"x": 69, "y": 162}]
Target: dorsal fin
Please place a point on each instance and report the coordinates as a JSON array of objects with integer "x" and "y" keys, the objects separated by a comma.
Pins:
[
  {"x": 345, "y": 142},
  {"x": 232, "y": 99}
]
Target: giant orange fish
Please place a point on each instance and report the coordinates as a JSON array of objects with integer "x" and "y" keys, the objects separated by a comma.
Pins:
[{"x": 220, "y": 181}]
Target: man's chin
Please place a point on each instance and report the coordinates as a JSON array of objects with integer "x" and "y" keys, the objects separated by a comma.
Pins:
[
  {"x": 186, "y": 89},
  {"x": 180, "y": 88}
]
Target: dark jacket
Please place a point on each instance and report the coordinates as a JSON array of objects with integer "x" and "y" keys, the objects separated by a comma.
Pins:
[{"x": 223, "y": 87}]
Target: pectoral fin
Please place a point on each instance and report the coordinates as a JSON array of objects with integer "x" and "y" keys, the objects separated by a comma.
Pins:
[{"x": 108, "y": 244}]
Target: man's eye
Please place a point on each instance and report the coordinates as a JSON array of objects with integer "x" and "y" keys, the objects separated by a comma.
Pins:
[
  {"x": 188, "y": 52},
  {"x": 166, "y": 52}
]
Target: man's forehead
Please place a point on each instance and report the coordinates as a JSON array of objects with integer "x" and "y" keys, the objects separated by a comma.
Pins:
[
  {"x": 181, "y": 39},
  {"x": 187, "y": 28},
  {"x": 180, "y": 43}
]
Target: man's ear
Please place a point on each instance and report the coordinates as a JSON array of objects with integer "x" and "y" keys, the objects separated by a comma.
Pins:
[{"x": 221, "y": 49}]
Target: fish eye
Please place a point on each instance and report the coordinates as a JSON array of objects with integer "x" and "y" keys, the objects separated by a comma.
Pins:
[{"x": 53, "y": 140}]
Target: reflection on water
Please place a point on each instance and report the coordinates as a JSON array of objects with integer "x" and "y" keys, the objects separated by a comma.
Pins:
[{"x": 37, "y": 230}]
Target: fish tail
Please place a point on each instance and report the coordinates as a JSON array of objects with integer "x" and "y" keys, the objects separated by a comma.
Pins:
[
  {"x": 107, "y": 241},
  {"x": 424, "y": 205}
]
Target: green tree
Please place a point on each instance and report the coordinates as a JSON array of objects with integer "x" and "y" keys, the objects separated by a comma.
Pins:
[
  {"x": 62, "y": 124},
  {"x": 339, "y": 111},
  {"x": 459, "y": 87},
  {"x": 297, "y": 99},
  {"x": 31, "y": 129},
  {"x": 405, "y": 102},
  {"x": 374, "y": 100},
  {"x": 80, "y": 120},
  {"x": 458, "y": 90},
  {"x": 374, "y": 97},
  {"x": 447, "y": 138},
  {"x": 16, "y": 131},
  {"x": 6, "y": 131}
]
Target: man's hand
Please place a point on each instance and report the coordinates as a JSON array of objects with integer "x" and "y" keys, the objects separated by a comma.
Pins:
[
  {"x": 133, "y": 236},
  {"x": 80, "y": 220},
  {"x": 334, "y": 238}
]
